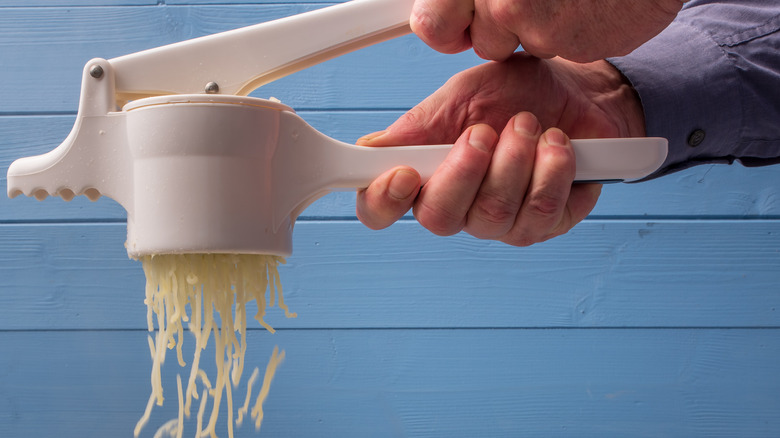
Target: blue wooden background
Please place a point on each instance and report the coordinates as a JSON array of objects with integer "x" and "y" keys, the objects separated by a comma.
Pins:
[{"x": 657, "y": 316}]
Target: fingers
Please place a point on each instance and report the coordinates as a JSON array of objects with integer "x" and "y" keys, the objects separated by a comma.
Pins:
[
  {"x": 541, "y": 214},
  {"x": 443, "y": 203},
  {"x": 388, "y": 198},
  {"x": 516, "y": 188},
  {"x": 500, "y": 196},
  {"x": 518, "y": 191},
  {"x": 443, "y": 24},
  {"x": 578, "y": 30},
  {"x": 452, "y": 26},
  {"x": 445, "y": 200},
  {"x": 429, "y": 122},
  {"x": 490, "y": 35},
  {"x": 552, "y": 204}
]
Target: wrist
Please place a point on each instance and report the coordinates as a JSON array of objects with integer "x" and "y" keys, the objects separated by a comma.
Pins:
[
  {"x": 602, "y": 89},
  {"x": 618, "y": 99}
]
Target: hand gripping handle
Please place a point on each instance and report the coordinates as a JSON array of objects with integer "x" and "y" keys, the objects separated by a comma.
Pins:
[{"x": 313, "y": 164}]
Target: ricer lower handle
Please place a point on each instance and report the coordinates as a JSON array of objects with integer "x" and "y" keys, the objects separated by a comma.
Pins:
[
  {"x": 358, "y": 166},
  {"x": 307, "y": 164},
  {"x": 602, "y": 160}
]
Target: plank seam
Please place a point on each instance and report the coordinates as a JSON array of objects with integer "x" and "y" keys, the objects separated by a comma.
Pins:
[{"x": 477, "y": 328}]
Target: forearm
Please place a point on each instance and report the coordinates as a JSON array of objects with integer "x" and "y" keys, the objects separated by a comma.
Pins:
[{"x": 710, "y": 83}]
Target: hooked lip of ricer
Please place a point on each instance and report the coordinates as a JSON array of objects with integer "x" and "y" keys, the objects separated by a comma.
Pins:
[{"x": 200, "y": 167}]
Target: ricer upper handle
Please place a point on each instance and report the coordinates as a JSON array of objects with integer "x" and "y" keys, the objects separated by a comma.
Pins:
[{"x": 238, "y": 61}]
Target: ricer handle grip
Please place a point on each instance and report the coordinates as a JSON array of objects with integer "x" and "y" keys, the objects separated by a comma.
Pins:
[
  {"x": 241, "y": 60},
  {"x": 603, "y": 160},
  {"x": 313, "y": 164}
]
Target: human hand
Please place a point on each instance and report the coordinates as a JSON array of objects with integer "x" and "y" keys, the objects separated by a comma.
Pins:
[
  {"x": 515, "y": 187},
  {"x": 578, "y": 30}
]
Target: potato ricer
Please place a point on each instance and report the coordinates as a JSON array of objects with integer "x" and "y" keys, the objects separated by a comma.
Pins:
[{"x": 200, "y": 167}]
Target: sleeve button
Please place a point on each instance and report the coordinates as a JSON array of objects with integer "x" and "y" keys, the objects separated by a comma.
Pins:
[{"x": 696, "y": 138}]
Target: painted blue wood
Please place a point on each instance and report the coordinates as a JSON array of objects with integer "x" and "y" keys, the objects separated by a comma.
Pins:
[
  {"x": 43, "y": 51},
  {"x": 655, "y": 317},
  {"x": 342, "y": 275},
  {"x": 70, "y": 3},
  {"x": 419, "y": 383},
  {"x": 712, "y": 191}
]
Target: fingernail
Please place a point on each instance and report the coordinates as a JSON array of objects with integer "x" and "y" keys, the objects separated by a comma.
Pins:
[
  {"x": 526, "y": 124},
  {"x": 480, "y": 138},
  {"x": 403, "y": 185},
  {"x": 555, "y": 137},
  {"x": 371, "y": 137}
]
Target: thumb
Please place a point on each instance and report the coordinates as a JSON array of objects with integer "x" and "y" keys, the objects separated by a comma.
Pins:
[
  {"x": 415, "y": 127},
  {"x": 397, "y": 134},
  {"x": 378, "y": 138}
]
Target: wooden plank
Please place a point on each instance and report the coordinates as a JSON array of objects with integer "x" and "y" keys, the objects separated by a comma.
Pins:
[
  {"x": 634, "y": 324},
  {"x": 70, "y": 3},
  {"x": 342, "y": 275},
  {"x": 419, "y": 383},
  {"x": 712, "y": 191},
  {"x": 43, "y": 51}
]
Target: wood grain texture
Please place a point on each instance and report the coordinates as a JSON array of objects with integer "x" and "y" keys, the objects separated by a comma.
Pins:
[
  {"x": 419, "y": 383},
  {"x": 75, "y": 3},
  {"x": 342, "y": 275},
  {"x": 656, "y": 317}
]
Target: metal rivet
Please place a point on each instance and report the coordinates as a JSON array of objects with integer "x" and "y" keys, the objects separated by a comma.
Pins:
[
  {"x": 696, "y": 137},
  {"x": 212, "y": 88},
  {"x": 96, "y": 71}
]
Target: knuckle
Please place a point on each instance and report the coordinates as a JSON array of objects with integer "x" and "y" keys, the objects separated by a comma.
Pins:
[
  {"x": 506, "y": 13},
  {"x": 541, "y": 214},
  {"x": 464, "y": 169},
  {"x": 441, "y": 27},
  {"x": 426, "y": 22},
  {"x": 521, "y": 153},
  {"x": 544, "y": 205},
  {"x": 427, "y": 29},
  {"x": 495, "y": 209},
  {"x": 418, "y": 117},
  {"x": 424, "y": 120},
  {"x": 559, "y": 165}
]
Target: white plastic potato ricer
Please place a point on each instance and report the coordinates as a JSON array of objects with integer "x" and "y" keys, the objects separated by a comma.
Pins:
[{"x": 200, "y": 168}]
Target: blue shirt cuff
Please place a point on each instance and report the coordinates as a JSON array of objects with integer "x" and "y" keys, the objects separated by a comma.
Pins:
[{"x": 689, "y": 91}]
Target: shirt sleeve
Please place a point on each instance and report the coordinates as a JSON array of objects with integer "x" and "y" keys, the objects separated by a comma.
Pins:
[{"x": 710, "y": 84}]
